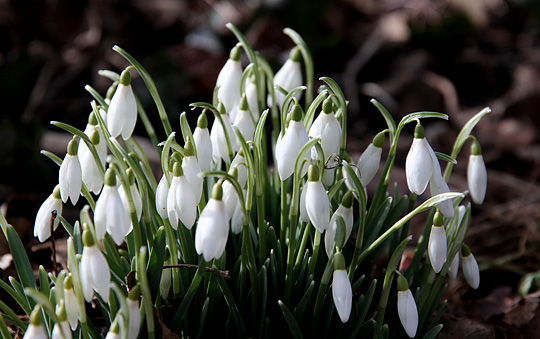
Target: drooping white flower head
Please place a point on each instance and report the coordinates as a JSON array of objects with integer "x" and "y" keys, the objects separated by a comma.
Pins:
[
  {"x": 181, "y": 204},
  {"x": 317, "y": 202},
  {"x": 345, "y": 211},
  {"x": 438, "y": 185},
  {"x": 328, "y": 129},
  {"x": 70, "y": 300},
  {"x": 341, "y": 288},
  {"x": 470, "y": 267},
  {"x": 213, "y": 227},
  {"x": 220, "y": 149},
  {"x": 229, "y": 79},
  {"x": 244, "y": 122},
  {"x": 239, "y": 162},
  {"x": 203, "y": 144},
  {"x": 349, "y": 181},
  {"x": 165, "y": 282},
  {"x": 134, "y": 323},
  {"x": 419, "y": 165},
  {"x": 135, "y": 195},
  {"x": 288, "y": 77},
  {"x": 91, "y": 176},
  {"x": 230, "y": 198},
  {"x": 407, "y": 310},
  {"x": 369, "y": 161},
  {"x": 94, "y": 270},
  {"x": 192, "y": 171},
  {"x": 70, "y": 176},
  {"x": 477, "y": 174},
  {"x": 111, "y": 215},
  {"x": 36, "y": 329},
  {"x": 237, "y": 217},
  {"x": 162, "y": 192},
  {"x": 122, "y": 113},
  {"x": 454, "y": 267},
  {"x": 61, "y": 330},
  {"x": 437, "y": 243},
  {"x": 303, "y": 212},
  {"x": 293, "y": 140},
  {"x": 51, "y": 206},
  {"x": 250, "y": 89}
]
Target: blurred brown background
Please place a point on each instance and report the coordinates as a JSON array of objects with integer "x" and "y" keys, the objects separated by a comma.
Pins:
[{"x": 451, "y": 56}]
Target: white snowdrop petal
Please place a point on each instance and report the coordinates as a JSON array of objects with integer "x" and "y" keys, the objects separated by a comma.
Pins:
[
  {"x": 134, "y": 318},
  {"x": 203, "y": 144},
  {"x": 454, "y": 266},
  {"x": 408, "y": 312},
  {"x": 228, "y": 80},
  {"x": 342, "y": 294},
  {"x": 72, "y": 309},
  {"x": 418, "y": 166},
  {"x": 294, "y": 139},
  {"x": 368, "y": 164},
  {"x": 212, "y": 230},
  {"x": 162, "y": 192},
  {"x": 101, "y": 276},
  {"x": 317, "y": 205},
  {"x": 35, "y": 332},
  {"x": 471, "y": 270},
  {"x": 42, "y": 225},
  {"x": 65, "y": 333},
  {"x": 192, "y": 172},
  {"x": 477, "y": 178},
  {"x": 122, "y": 112},
  {"x": 186, "y": 206},
  {"x": 437, "y": 247},
  {"x": 288, "y": 77}
]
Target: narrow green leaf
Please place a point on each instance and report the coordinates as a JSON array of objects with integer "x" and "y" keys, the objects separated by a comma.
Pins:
[
  {"x": 188, "y": 297},
  {"x": 446, "y": 157},
  {"x": 291, "y": 321},
  {"x": 420, "y": 115},
  {"x": 387, "y": 117},
  {"x": 237, "y": 318},
  {"x": 96, "y": 96},
  {"x": 202, "y": 317},
  {"x": 4, "y": 329},
  {"x": 434, "y": 332},
  {"x": 155, "y": 261},
  {"x": 13, "y": 317},
  {"x": 44, "y": 281},
  {"x": 304, "y": 302},
  {"x": 19, "y": 298},
  {"x": 20, "y": 259},
  {"x": 365, "y": 306}
]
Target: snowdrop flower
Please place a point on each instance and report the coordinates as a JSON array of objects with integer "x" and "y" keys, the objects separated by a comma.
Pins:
[
  {"x": 407, "y": 310},
  {"x": 239, "y": 162},
  {"x": 135, "y": 195},
  {"x": 470, "y": 267},
  {"x": 230, "y": 198},
  {"x": 244, "y": 122},
  {"x": 70, "y": 176},
  {"x": 220, "y": 147},
  {"x": 165, "y": 282},
  {"x": 229, "y": 79},
  {"x": 303, "y": 212},
  {"x": 418, "y": 166},
  {"x": 94, "y": 270},
  {"x": 111, "y": 215},
  {"x": 203, "y": 144},
  {"x": 454, "y": 267},
  {"x": 477, "y": 174},
  {"x": 91, "y": 176},
  {"x": 437, "y": 243},
  {"x": 328, "y": 129},
  {"x": 288, "y": 77},
  {"x": 114, "y": 330},
  {"x": 237, "y": 220},
  {"x": 213, "y": 227},
  {"x": 36, "y": 330},
  {"x": 317, "y": 202},
  {"x": 70, "y": 302},
  {"x": 345, "y": 211},
  {"x": 341, "y": 288},
  {"x": 349, "y": 181},
  {"x": 122, "y": 113},
  {"x": 293, "y": 140},
  {"x": 181, "y": 202},
  {"x": 192, "y": 171},
  {"x": 250, "y": 89},
  {"x": 162, "y": 192},
  {"x": 369, "y": 161},
  {"x": 42, "y": 225},
  {"x": 438, "y": 185},
  {"x": 132, "y": 302},
  {"x": 61, "y": 330}
]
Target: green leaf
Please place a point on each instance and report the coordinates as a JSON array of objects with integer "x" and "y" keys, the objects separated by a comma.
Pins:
[
  {"x": 237, "y": 318},
  {"x": 96, "y": 96},
  {"x": 155, "y": 262},
  {"x": 44, "y": 281},
  {"x": 420, "y": 115},
  {"x": 13, "y": 317},
  {"x": 365, "y": 306},
  {"x": 434, "y": 332},
  {"x": 304, "y": 302},
  {"x": 202, "y": 317},
  {"x": 19, "y": 298},
  {"x": 263, "y": 288},
  {"x": 291, "y": 321},
  {"x": 188, "y": 297},
  {"x": 310, "y": 113},
  {"x": 446, "y": 157},
  {"x": 4, "y": 329},
  {"x": 20, "y": 259},
  {"x": 387, "y": 117}
]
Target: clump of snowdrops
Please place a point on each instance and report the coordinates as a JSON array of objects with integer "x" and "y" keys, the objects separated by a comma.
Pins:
[{"x": 258, "y": 224}]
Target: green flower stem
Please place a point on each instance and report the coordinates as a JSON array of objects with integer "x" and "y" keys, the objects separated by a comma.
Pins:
[
  {"x": 316, "y": 246},
  {"x": 336, "y": 90},
  {"x": 410, "y": 207},
  {"x": 262, "y": 229},
  {"x": 302, "y": 248},
  {"x": 283, "y": 214},
  {"x": 276, "y": 127},
  {"x": 73, "y": 266},
  {"x": 151, "y": 88},
  {"x": 145, "y": 289},
  {"x": 96, "y": 96},
  {"x": 171, "y": 237},
  {"x": 148, "y": 125},
  {"x": 290, "y": 260},
  {"x": 321, "y": 293},
  {"x": 308, "y": 62}
]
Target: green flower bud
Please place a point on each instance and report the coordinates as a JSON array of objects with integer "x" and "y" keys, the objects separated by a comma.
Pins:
[
  {"x": 296, "y": 112},
  {"x": 134, "y": 293},
  {"x": 339, "y": 261},
  {"x": 475, "y": 148},
  {"x": 244, "y": 103},
  {"x": 313, "y": 173},
  {"x": 348, "y": 200},
  {"x": 92, "y": 120},
  {"x": 125, "y": 78},
  {"x": 189, "y": 149},
  {"x": 110, "y": 177},
  {"x": 402, "y": 283},
  {"x": 94, "y": 138},
  {"x": 56, "y": 192},
  {"x": 328, "y": 105},
  {"x": 465, "y": 250},
  {"x": 72, "y": 147},
  {"x": 378, "y": 140},
  {"x": 177, "y": 169},
  {"x": 202, "y": 122},
  {"x": 235, "y": 52},
  {"x": 217, "y": 192},
  {"x": 419, "y": 132},
  {"x": 438, "y": 219},
  {"x": 88, "y": 239},
  {"x": 295, "y": 54}
]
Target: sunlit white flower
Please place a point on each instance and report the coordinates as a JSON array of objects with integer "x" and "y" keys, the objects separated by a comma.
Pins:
[
  {"x": 407, "y": 310},
  {"x": 345, "y": 211},
  {"x": 71, "y": 304},
  {"x": 165, "y": 282},
  {"x": 470, "y": 267},
  {"x": 61, "y": 330},
  {"x": 454, "y": 267},
  {"x": 317, "y": 202},
  {"x": 419, "y": 165},
  {"x": 91, "y": 176},
  {"x": 250, "y": 89},
  {"x": 230, "y": 198},
  {"x": 438, "y": 185},
  {"x": 220, "y": 148},
  {"x": 192, "y": 171},
  {"x": 237, "y": 217},
  {"x": 477, "y": 174},
  {"x": 111, "y": 215},
  {"x": 52, "y": 206},
  {"x": 229, "y": 79},
  {"x": 162, "y": 192},
  {"x": 244, "y": 121},
  {"x": 303, "y": 212},
  {"x": 288, "y": 77},
  {"x": 203, "y": 144},
  {"x": 341, "y": 288},
  {"x": 122, "y": 112},
  {"x": 181, "y": 202},
  {"x": 239, "y": 162},
  {"x": 213, "y": 227},
  {"x": 369, "y": 161},
  {"x": 437, "y": 243},
  {"x": 70, "y": 176},
  {"x": 36, "y": 329},
  {"x": 349, "y": 180},
  {"x": 134, "y": 323},
  {"x": 293, "y": 140},
  {"x": 94, "y": 270},
  {"x": 135, "y": 195}
]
